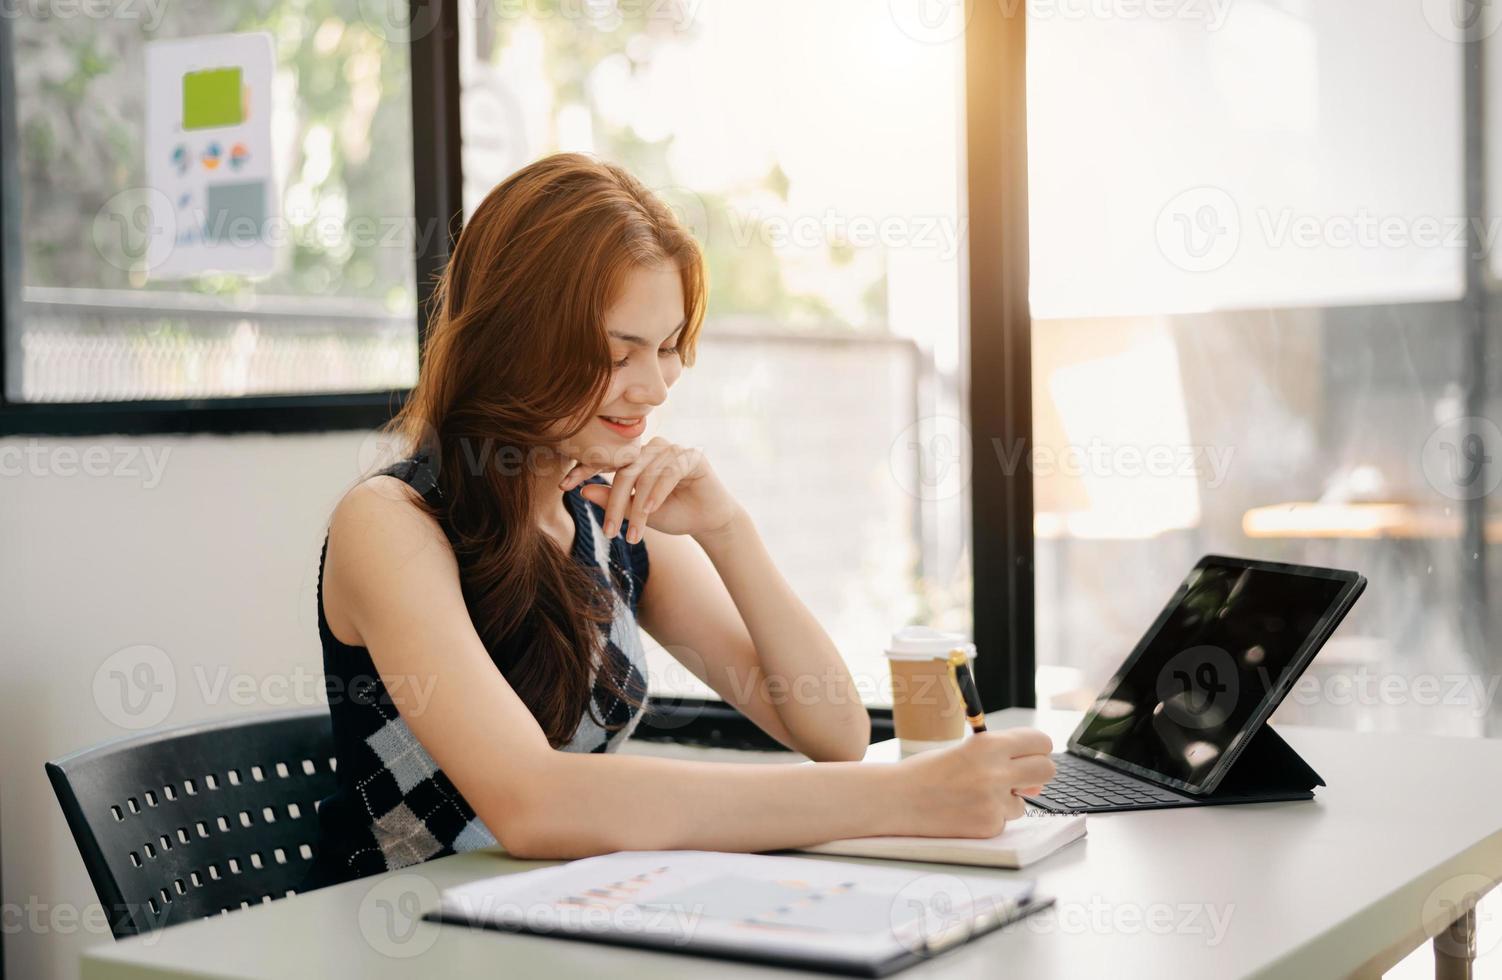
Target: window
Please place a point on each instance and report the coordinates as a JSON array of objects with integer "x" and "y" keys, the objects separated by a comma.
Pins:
[
  {"x": 814, "y": 149},
  {"x": 95, "y": 322},
  {"x": 1258, "y": 321}
]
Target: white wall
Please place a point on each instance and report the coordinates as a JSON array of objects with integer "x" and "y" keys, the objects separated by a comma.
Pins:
[{"x": 214, "y": 562}]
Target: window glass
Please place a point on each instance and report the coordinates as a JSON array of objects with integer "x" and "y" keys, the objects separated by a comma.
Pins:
[
  {"x": 1252, "y": 337},
  {"x": 99, "y": 322},
  {"x": 814, "y": 151}
]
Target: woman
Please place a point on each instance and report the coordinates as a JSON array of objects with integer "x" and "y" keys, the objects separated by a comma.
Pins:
[{"x": 479, "y": 602}]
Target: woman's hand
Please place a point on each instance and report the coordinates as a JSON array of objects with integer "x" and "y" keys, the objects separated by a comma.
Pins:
[
  {"x": 665, "y": 486},
  {"x": 974, "y": 788}
]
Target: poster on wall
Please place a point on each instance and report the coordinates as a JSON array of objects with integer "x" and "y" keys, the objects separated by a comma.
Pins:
[{"x": 208, "y": 155}]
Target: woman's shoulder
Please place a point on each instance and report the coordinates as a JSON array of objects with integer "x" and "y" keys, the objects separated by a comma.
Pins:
[
  {"x": 381, "y": 543},
  {"x": 396, "y": 492},
  {"x": 384, "y": 501}
]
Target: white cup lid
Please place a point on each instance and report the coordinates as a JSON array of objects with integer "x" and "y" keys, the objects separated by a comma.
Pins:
[{"x": 925, "y": 643}]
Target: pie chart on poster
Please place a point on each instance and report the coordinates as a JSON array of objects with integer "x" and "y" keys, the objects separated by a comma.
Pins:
[{"x": 211, "y": 156}]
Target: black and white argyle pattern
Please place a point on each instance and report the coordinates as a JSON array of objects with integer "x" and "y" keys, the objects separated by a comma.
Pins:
[{"x": 394, "y": 807}]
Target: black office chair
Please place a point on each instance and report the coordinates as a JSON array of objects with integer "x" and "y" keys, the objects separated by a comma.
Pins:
[{"x": 188, "y": 822}]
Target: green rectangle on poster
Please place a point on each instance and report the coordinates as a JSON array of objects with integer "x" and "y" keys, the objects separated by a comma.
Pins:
[{"x": 212, "y": 98}]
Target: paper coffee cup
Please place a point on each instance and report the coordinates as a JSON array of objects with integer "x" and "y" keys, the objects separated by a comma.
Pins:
[{"x": 927, "y": 711}]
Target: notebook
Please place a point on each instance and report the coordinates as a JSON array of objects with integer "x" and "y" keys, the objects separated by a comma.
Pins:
[
  {"x": 834, "y": 916},
  {"x": 1024, "y": 841}
]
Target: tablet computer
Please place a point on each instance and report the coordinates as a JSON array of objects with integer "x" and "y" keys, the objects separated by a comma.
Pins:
[{"x": 1211, "y": 669}]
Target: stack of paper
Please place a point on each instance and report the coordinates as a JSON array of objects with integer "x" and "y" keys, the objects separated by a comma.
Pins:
[{"x": 1024, "y": 841}]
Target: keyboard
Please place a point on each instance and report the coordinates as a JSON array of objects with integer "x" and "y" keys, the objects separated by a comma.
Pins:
[{"x": 1082, "y": 785}]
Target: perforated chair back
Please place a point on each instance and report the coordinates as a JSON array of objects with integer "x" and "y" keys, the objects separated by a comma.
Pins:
[{"x": 194, "y": 821}]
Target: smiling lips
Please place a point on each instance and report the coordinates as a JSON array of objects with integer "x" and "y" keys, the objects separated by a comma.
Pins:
[{"x": 624, "y": 426}]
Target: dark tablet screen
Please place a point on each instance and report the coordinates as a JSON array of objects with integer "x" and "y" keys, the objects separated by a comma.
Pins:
[{"x": 1204, "y": 671}]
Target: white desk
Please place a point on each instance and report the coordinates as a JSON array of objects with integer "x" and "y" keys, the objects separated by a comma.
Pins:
[{"x": 1346, "y": 884}]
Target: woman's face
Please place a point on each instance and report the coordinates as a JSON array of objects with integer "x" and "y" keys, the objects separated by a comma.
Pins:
[{"x": 643, "y": 327}]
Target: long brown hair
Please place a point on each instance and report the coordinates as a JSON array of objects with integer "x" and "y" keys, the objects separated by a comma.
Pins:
[{"x": 516, "y": 353}]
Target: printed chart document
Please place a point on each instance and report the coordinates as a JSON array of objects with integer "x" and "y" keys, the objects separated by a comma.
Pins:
[{"x": 827, "y": 915}]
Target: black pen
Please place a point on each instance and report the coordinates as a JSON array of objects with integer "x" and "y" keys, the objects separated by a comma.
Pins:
[{"x": 959, "y": 666}]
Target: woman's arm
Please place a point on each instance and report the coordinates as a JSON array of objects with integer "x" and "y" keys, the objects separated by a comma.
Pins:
[
  {"x": 731, "y": 619},
  {"x": 392, "y": 585},
  {"x": 721, "y": 607}
]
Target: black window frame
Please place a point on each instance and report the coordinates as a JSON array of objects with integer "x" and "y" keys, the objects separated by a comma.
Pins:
[{"x": 436, "y": 202}]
